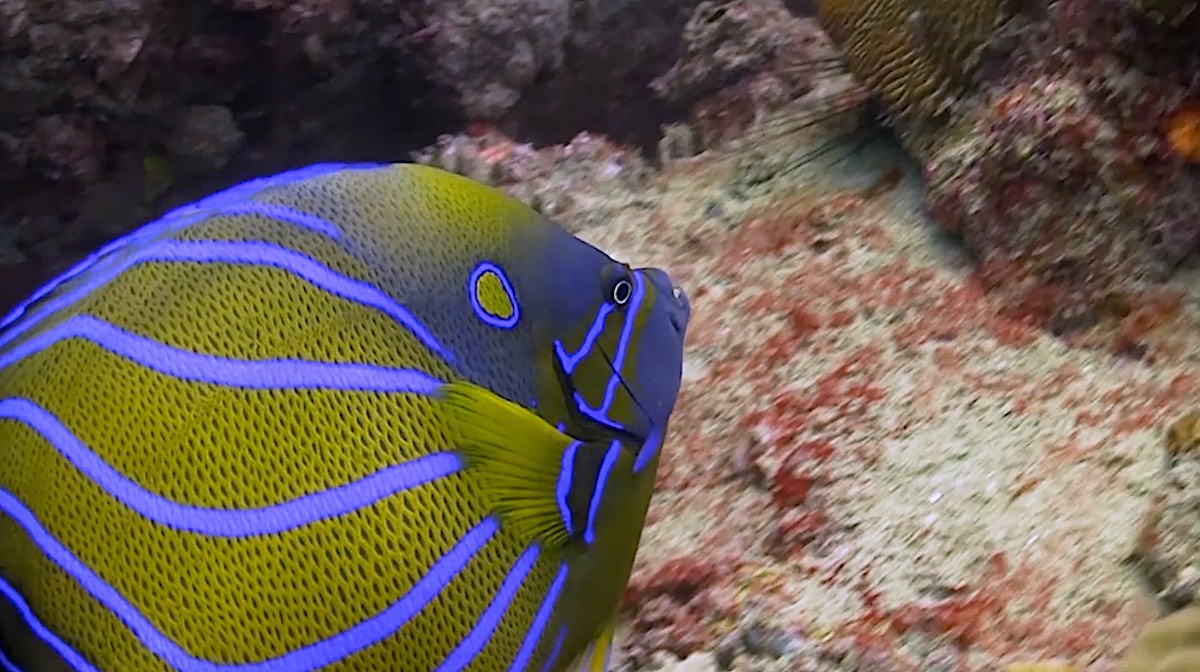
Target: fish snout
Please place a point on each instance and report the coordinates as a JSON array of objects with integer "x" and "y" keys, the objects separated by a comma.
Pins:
[{"x": 674, "y": 298}]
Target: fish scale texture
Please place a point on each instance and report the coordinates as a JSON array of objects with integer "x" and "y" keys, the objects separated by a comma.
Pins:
[
  {"x": 239, "y": 448},
  {"x": 185, "y": 438},
  {"x": 914, "y": 54}
]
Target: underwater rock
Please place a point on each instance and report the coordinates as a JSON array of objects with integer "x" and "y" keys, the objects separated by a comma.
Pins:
[
  {"x": 740, "y": 61},
  {"x": 581, "y": 182},
  {"x": 1168, "y": 549},
  {"x": 97, "y": 89},
  {"x": 489, "y": 51},
  {"x": 1052, "y": 160},
  {"x": 205, "y": 135},
  {"x": 1172, "y": 11}
]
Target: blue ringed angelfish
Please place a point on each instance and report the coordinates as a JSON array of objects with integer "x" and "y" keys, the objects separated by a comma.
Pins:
[{"x": 349, "y": 417}]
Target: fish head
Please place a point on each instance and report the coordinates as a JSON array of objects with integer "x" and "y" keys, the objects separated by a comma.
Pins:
[{"x": 615, "y": 343}]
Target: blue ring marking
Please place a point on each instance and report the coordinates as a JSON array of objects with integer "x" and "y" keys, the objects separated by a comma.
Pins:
[
  {"x": 472, "y": 286},
  {"x": 172, "y": 221},
  {"x": 558, "y": 642},
  {"x": 304, "y": 659},
  {"x": 471, "y": 645},
  {"x": 250, "y": 374},
  {"x": 563, "y": 487},
  {"x": 330, "y": 503},
  {"x": 649, "y": 448},
  {"x": 534, "y": 636},
  {"x": 610, "y": 458},
  {"x": 64, "y": 650}
]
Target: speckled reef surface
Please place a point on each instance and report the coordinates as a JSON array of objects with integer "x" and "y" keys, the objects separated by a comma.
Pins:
[
  {"x": 871, "y": 467},
  {"x": 876, "y": 463}
]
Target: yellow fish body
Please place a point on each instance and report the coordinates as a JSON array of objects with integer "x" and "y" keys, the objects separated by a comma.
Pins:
[{"x": 350, "y": 417}]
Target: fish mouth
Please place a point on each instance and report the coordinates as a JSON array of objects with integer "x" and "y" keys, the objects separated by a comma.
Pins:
[
  {"x": 681, "y": 311},
  {"x": 607, "y": 430},
  {"x": 647, "y": 420}
]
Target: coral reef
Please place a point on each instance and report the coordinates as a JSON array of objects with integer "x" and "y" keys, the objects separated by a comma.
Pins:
[
  {"x": 547, "y": 69},
  {"x": 742, "y": 61},
  {"x": 473, "y": 37},
  {"x": 583, "y": 182},
  {"x": 878, "y": 457},
  {"x": 1065, "y": 164},
  {"x": 830, "y": 501},
  {"x": 118, "y": 110},
  {"x": 1168, "y": 549}
]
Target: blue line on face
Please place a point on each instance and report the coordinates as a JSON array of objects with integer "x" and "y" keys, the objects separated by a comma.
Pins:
[
  {"x": 319, "y": 654},
  {"x": 558, "y": 642},
  {"x": 648, "y": 449},
  {"x": 571, "y": 360},
  {"x": 601, "y": 413},
  {"x": 473, "y": 292},
  {"x": 610, "y": 458},
  {"x": 563, "y": 487}
]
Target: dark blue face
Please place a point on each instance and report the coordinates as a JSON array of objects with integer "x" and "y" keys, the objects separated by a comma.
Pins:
[{"x": 619, "y": 343}]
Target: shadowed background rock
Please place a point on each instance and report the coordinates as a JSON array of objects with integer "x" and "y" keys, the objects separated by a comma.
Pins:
[{"x": 116, "y": 110}]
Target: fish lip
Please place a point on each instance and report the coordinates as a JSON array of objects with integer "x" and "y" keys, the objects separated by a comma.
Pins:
[{"x": 682, "y": 312}]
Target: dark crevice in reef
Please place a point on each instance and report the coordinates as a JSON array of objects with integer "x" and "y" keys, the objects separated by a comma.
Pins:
[
  {"x": 603, "y": 84},
  {"x": 801, "y": 7},
  {"x": 52, "y": 224},
  {"x": 628, "y": 113}
]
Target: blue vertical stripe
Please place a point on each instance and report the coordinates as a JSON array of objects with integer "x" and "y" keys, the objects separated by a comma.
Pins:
[
  {"x": 563, "y": 488},
  {"x": 173, "y": 220},
  {"x": 610, "y": 458},
  {"x": 538, "y": 627},
  {"x": 558, "y": 642},
  {"x": 485, "y": 627},
  {"x": 223, "y": 522}
]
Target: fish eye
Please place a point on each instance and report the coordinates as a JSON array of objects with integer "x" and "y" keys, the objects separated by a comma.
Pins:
[
  {"x": 622, "y": 289},
  {"x": 618, "y": 284}
]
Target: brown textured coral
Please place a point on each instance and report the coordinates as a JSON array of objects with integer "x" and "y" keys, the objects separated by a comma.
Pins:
[
  {"x": 916, "y": 55},
  {"x": 1172, "y": 11}
]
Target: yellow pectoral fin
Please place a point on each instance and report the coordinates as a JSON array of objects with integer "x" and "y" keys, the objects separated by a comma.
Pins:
[
  {"x": 595, "y": 657},
  {"x": 544, "y": 482}
]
